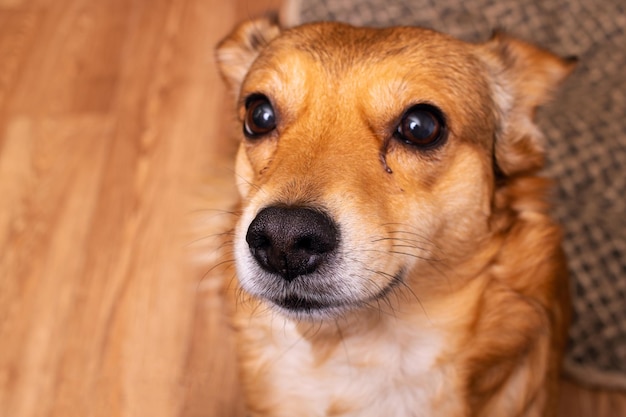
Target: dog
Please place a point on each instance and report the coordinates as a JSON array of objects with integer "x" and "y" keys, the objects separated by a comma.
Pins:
[{"x": 395, "y": 255}]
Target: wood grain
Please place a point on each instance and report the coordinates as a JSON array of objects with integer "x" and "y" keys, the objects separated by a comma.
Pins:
[{"x": 115, "y": 169}]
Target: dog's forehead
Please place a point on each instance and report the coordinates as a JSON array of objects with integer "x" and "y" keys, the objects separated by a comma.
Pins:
[
  {"x": 327, "y": 42},
  {"x": 339, "y": 48},
  {"x": 334, "y": 51}
]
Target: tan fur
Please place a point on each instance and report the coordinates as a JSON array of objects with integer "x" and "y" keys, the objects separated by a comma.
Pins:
[{"x": 477, "y": 325}]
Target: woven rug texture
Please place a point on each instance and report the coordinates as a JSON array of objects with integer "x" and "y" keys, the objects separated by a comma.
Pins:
[{"x": 585, "y": 129}]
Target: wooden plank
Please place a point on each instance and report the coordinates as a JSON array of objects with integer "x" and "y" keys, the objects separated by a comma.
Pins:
[{"x": 58, "y": 172}]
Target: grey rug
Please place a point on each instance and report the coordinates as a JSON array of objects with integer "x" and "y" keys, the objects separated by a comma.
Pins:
[{"x": 586, "y": 132}]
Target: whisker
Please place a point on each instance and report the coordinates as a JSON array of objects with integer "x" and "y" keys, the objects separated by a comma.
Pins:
[
  {"x": 401, "y": 239},
  {"x": 217, "y": 211},
  {"x": 412, "y": 255},
  {"x": 404, "y": 284},
  {"x": 217, "y": 265},
  {"x": 250, "y": 183},
  {"x": 414, "y": 233},
  {"x": 213, "y": 235},
  {"x": 395, "y": 245}
]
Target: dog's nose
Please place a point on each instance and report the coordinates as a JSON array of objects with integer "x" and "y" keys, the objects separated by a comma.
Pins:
[{"x": 291, "y": 241}]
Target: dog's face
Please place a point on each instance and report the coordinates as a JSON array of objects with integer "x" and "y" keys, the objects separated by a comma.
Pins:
[{"x": 369, "y": 157}]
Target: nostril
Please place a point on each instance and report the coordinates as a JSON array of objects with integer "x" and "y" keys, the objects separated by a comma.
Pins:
[
  {"x": 258, "y": 240},
  {"x": 318, "y": 244},
  {"x": 306, "y": 244},
  {"x": 291, "y": 241}
]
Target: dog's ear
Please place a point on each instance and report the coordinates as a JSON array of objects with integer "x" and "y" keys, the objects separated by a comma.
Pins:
[
  {"x": 236, "y": 53},
  {"x": 525, "y": 77}
]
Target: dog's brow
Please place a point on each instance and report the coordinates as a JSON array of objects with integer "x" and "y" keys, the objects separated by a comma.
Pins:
[
  {"x": 284, "y": 78},
  {"x": 386, "y": 94}
]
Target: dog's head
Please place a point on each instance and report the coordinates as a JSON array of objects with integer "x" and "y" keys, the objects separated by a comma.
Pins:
[{"x": 370, "y": 159}]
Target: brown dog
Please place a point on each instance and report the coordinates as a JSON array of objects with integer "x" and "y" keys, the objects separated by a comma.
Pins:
[{"x": 395, "y": 256}]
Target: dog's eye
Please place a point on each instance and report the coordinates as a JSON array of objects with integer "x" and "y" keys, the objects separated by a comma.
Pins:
[
  {"x": 260, "y": 118},
  {"x": 422, "y": 125}
]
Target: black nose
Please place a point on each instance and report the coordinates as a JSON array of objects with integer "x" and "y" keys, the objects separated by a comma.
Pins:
[{"x": 291, "y": 241}]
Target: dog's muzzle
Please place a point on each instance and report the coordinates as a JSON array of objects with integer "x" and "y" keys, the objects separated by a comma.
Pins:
[
  {"x": 300, "y": 260},
  {"x": 292, "y": 241}
]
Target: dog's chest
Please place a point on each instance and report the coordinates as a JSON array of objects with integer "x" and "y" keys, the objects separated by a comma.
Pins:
[{"x": 391, "y": 373}]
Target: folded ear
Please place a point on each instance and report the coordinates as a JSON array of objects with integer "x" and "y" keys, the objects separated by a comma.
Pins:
[
  {"x": 524, "y": 78},
  {"x": 236, "y": 53}
]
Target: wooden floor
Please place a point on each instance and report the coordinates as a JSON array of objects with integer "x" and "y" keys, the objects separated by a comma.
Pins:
[{"x": 113, "y": 147}]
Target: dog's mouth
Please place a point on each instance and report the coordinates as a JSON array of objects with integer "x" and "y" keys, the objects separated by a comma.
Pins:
[
  {"x": 311, "y": 305},
  {"x": 302, "y": 304}
]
